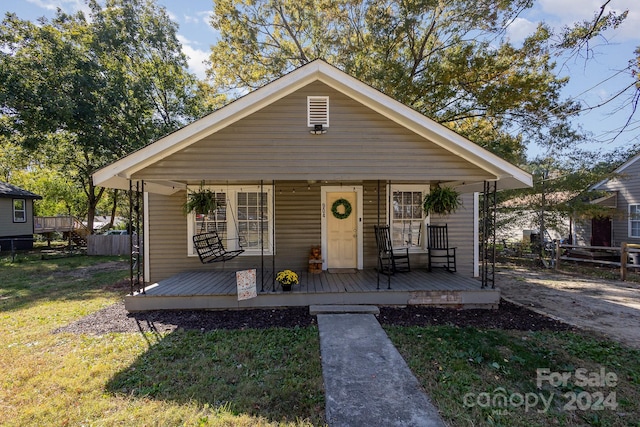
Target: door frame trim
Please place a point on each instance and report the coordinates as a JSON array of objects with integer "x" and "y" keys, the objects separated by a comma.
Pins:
[{"x": 324, "y": 210}]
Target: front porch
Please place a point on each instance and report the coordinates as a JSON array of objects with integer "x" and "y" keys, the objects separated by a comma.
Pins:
[{"x": 216, "y": 290}]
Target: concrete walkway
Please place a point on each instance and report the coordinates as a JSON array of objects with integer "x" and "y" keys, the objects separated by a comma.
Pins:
[{"x": 367, "y": 382}]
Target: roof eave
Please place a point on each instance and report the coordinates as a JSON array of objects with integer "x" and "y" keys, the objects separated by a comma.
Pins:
[{"x": 113, "y": 174}]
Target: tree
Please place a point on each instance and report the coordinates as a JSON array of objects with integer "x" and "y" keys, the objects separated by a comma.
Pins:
[
  {"x": 560, "y": 193},
  {"x": 577, "y": 40},
  {"x": 92, "y": 90},
  {"x": 447, "y": 59}
]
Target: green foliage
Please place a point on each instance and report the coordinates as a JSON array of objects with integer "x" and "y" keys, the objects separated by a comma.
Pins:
[
  {"x": 448, "y": 60},
  {"x": 441, "y": 201},
  {"x": 581, "y": 33},
  {"x": 91, "y": 89},
  {"x": 201, "y": 201},
  {"x": 561, "y": 190}
]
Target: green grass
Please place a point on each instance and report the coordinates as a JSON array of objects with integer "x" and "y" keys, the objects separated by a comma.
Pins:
[
  {"x": 268, "y": 377},
  {"x": 463, "y": 367},
  {"x": 239, "y": 378}
]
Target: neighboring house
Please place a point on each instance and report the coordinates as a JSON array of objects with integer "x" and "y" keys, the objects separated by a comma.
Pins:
[
  {"x": 16, "y": 217},
  {"x": 284, "y": 158},
  {"x": 623, "y": 201},
  {"x": 519, "y": 219}
]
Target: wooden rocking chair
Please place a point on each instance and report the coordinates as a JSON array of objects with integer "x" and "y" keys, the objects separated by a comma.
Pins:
[
  {"x": 210, "y": 248},
  {"x": 390, "y": 262},
  {"x": 438, "y": 247}
]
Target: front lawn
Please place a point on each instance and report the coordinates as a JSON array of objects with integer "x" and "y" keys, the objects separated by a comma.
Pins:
[
  {"x": 272, "y": 377},
  {"x": 240, "y": 378},
  {"x": 491, "y": 377}
]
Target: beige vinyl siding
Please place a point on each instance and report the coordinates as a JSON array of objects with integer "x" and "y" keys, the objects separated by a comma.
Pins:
[
  {"x": 168, "y": 240},
  {"x": 627, "y": 187},
  {"x": 460, "y": 227},
  {"x": 7, "y": 226},
  {"x": 275, "y": 143},
  {"x": 297, "y": 225},
  {"x": 297, "y": 229}
]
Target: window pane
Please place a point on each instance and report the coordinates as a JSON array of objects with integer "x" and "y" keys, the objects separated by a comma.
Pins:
[
  {"x": 216, "y": 221},
  {"x": 238, "y": 220},
  {"x": 19, "y": 210},
  {"x": 250, "y": 224},
  {"x": 634, "y": 220},
  {"x": 407, "y": 218}
]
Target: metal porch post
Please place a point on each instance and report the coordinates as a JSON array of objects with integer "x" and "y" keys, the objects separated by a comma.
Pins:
[
  {"x": 131, "y": 254},
  {"x": 488, "y": 231}
]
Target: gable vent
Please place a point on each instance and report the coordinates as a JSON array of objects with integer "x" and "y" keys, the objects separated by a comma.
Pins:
[{"x": 318, "y": 111}]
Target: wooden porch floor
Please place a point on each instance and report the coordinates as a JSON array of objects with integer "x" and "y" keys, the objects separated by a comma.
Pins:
[{"x": 217, "y": 290}]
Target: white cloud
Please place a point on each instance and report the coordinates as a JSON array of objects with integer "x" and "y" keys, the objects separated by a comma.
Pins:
[
  {"x": 190, "y": 19},
  {"x": 629, "y": 28},
  {"x": 565, "y": 12},
  {"x": 196, "y": 57},
  {"x": 69, "y": 6},
  {"x": 171, "y": 16},
  {"x": 520, "y": 29},
  {"x": 205, "y": 16}
]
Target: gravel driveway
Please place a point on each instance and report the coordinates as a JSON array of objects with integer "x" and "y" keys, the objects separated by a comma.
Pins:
[{"x": 608, "y": 307}]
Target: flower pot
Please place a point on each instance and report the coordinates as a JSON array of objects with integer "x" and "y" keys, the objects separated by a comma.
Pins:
[{"x": 286, "y": 288}]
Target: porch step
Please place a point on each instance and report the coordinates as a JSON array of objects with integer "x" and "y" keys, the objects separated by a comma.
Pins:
[{"x": 314, "y": 310}]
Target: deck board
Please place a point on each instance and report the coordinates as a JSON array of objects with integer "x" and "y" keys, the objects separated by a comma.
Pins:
[{"x": 216, "y": 289}]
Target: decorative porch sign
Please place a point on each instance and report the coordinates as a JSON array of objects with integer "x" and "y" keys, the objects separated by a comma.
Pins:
[{"x": 246, "y": 283}]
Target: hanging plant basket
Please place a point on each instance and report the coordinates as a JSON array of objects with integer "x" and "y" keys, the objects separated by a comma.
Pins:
[
  {"x": 442, "y": 201},
  {"x": 202, "y": 201}
]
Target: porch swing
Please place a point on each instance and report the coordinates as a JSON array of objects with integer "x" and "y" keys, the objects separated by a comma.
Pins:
[{"x": 208, "y": 243}]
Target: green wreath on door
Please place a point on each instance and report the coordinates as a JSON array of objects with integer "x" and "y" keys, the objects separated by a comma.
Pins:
[{"x": 347, "y": 208}]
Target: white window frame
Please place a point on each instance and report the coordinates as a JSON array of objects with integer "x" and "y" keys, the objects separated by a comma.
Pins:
[
  {"x": 634, "y": 217},
  {"x": 23, "y": 210},
  {"x": 316, "y": 104},
  {"x": 232, "y": 220},
  {"x": 424, "y": 189}
]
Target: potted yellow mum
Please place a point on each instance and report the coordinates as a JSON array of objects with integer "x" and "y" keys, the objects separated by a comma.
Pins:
[{"x": 287, "y": 278}]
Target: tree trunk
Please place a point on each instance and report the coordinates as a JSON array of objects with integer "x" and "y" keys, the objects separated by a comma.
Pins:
[
  {"x": 114, "y": 208},
  {"x": 93, "y": 198}
]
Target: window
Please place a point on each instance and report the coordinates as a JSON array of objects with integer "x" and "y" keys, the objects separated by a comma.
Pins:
[
  {"x": 634, "y": 220},
  {"x": 408, "y": 218},
  {"x": 243, "y": 213},
  {"x": 19, "y": 210}
]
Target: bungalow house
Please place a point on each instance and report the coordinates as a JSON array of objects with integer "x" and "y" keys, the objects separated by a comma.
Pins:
[
  {"x": 16, "y": 217},
  {"x": 315, "y": 158},
  {"x": 622, "y": 198}
]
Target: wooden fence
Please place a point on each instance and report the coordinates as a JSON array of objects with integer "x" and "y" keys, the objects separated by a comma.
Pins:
[
  {"x": 108, "y": 244},
  {"x": 624, "y": 251}
]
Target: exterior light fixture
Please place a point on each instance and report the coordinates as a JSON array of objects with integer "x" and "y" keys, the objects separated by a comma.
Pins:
[{"x": 317, "y": 130}]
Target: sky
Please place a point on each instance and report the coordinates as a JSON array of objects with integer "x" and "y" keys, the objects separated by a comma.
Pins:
[{"x": 591, "y": 81}]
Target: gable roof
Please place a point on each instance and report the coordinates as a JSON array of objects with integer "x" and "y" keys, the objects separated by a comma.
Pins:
[
  {"x": 618, "y": 170},
  {"x": 118, "y": 174},
  {"x": 11, "y": 191}
]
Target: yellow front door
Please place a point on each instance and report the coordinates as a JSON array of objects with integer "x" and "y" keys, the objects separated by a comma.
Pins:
[{"x": 342, "y": 231}]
